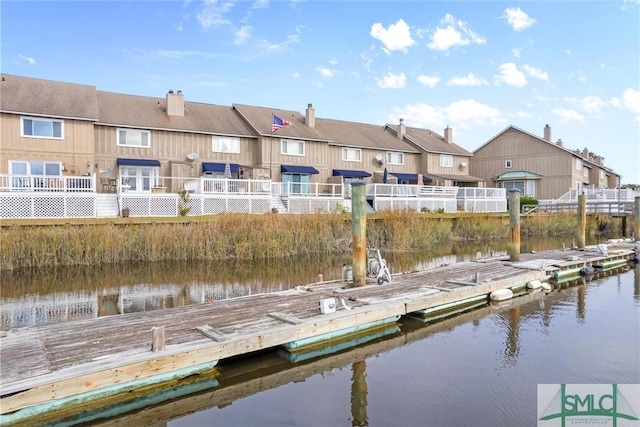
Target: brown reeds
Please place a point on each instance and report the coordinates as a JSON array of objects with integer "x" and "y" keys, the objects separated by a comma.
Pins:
[{"x": 247, "y": 237}]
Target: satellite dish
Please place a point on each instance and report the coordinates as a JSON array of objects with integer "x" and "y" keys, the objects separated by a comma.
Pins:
[
  {"x": 464, "y": 164},
  {"x": 192, "y": 156},
  {"x": 379, "y": 157}
]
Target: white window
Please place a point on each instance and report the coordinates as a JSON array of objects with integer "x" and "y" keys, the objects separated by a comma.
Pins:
[
  {"x": 292, "y": 147},
  {"x": 508, "y": 164},
  {"x": 578, "y": 164},
  {"x": 601, "y": 174},
  {"x": 226, "y": 145},
  {"x": 585, "y": 172},
  {"x": 395, "y": 158},
  {"x": 134, "y": 138},
  {"x": 41, "y": 128},
  {"x": 351, "y": 154},
  {"x": 17, "y": 167},
  {"x": 446, "y": 160}
]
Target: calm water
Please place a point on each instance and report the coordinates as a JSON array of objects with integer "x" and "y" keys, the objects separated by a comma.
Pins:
[
  {"x": 57, "y": 295},
  {"x": 480, "y": 368}
]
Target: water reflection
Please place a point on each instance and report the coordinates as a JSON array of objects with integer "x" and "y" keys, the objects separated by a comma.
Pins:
[
  {"x": 443, "y": 360},
  {"x": 42, "y": 296}
]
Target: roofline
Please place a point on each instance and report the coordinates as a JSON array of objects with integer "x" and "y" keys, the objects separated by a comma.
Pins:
[{"x": 25, "y": 113}]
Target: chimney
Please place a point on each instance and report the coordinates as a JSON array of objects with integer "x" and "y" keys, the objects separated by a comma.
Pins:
[
  {"x": 547, "y": 133},
  {"x": 448, "y": 135},
  {"x": 175, "y": 103},
  {"x": 585, "y": 153},
  {"x": 310, "y": 117},
  {"x": 559, "y": 143},
  {"x": 402, "y": 129}
]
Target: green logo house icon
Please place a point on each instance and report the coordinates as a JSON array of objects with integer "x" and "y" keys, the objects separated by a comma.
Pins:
[{"x": 588, "y": 404}]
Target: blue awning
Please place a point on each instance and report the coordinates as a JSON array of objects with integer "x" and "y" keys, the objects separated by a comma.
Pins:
[
  {"x": 138, "y": 162},
  {"x": 350, "y": 173},
  {"x": 298, "y": 169},
  {"x": 219, "y": 167},
  {"x": 409, "y": 176}
]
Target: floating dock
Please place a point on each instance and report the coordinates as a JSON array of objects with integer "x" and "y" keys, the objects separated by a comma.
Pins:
[{"x": 58, "y": 371}]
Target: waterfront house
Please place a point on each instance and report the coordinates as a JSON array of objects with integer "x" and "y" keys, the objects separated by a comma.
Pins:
[{"x": 538, "y": 167}]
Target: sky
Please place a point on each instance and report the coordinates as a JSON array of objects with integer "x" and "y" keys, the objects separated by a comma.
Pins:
[{"x": 475, "y": 66}]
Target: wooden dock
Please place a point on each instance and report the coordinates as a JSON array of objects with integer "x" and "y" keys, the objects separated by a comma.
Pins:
[{"x": 56, "y": 371}]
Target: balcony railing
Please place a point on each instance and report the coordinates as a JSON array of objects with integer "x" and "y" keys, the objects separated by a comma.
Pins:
[{"x": 29, "y": 183}]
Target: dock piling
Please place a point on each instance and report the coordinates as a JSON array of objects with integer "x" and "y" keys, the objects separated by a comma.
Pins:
[
  {"x": 582, "y": 220},
  {"x": 514, "y": 224},
  {"x": 636, "y": 218},
  {"x": 157, "y": 338},
  {"x": 359, "y": 232}
]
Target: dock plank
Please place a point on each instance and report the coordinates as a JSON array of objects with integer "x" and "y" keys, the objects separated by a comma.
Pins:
[{"x": 79, "y": 355}]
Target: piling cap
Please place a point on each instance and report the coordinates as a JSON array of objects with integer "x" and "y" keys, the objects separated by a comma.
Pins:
[{"x": 357, "y": 182}]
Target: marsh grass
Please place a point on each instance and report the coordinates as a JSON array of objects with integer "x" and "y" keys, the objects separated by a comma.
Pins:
[{"x": 251, "y": 237}]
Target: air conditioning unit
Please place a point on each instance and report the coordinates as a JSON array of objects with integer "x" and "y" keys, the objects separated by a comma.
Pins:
[{"x": 328, "y": 305}]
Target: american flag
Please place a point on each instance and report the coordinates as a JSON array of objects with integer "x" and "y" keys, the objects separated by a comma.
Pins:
[{"x": 279, "y": 123}]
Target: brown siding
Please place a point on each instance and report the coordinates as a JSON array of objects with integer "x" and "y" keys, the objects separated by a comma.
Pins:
[
  {"x": 529, "y": 154},
  {"x": 169, "y": 148},
  {"x": 75, "y": 150}
]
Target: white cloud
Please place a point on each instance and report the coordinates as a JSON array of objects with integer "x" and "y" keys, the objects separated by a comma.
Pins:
[
  {"x": 179, "y": 27},
  {"x": 428, "y": 81},
  {"x": 462, "y": 114},
  {"x": 29, "y": 60},
  {"x": 396, "y": 37},
  {"x": 518, "y": 19},
  {"x": 325, "y": 72},
  {"x": 631, "y": 101},
  {"x": 213, "y": 14},
  {"x": 266, "y": 45},
  {"x": 468, "y": 80},
  {"x": 517, "y": 52},
  {"x": 590, "y": 104},
  {"x": 242, "y": 35},
  {"x": 509, "y": 74},
  {"x": 568, "y": 115},
  {"x": 453, "y": 32},
  {"x": 536, "y": 73},
  {"x": 295, "y": 74},
  {"x": 470, "y": 112},
  {"x": 393, "y": 81}
]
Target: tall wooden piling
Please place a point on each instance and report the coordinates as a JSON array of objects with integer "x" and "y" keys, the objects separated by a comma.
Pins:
[
  {"x": 514, "y": 224},
  {"x": 359, "y": 232},
  {"x": 636, "y": 218},
  {"x": 582, "y": 220}
]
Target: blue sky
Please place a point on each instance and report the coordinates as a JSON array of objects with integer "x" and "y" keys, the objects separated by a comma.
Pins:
[{"x": 476, "y": 66}]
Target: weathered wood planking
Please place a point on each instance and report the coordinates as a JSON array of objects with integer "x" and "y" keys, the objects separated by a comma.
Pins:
[{"x": 93, "y": 353}]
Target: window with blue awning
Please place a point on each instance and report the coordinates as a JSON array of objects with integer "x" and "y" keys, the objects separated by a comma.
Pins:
[
  {"x": 409, "y": 176},
  {"x": 298, "y": 169},
  {"x": 219, "y": 167},
  {"x": 138, "y": 162},
  {"x": 351, "y": 173}
]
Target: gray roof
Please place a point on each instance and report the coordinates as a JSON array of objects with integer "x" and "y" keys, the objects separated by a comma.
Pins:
[
  {"x": 151, "y": 113},
  {"x": 24, "y": 95},
  {"x": 362, "y": 135},
  {"x": 430, "y": 141},
  {"x": 261, "y": 118}
]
